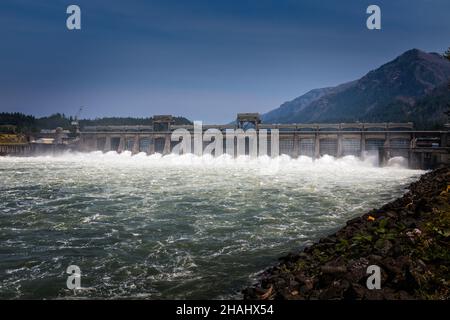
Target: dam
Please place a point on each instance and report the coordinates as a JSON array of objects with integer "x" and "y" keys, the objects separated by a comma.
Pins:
[{"x": 423, "y": 149}]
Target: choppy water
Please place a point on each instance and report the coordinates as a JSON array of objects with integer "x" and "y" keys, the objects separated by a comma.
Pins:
[{"x": 173, "y": 227}]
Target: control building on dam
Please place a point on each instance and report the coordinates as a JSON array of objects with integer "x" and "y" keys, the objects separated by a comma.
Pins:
[{"x": 423, "y": 149}]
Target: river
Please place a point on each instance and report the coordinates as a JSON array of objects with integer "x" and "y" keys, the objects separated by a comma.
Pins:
[{"x": 172, "y": 227}]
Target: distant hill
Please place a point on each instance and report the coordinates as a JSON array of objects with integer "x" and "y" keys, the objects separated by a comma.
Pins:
[{"x": 412, "y": 87}]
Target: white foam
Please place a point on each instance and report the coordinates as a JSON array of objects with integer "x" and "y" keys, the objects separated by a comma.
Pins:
[{"x": 189, "y": 160}]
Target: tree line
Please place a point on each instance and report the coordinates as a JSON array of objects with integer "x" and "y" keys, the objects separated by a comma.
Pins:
[{"x": 28, "y": 124}]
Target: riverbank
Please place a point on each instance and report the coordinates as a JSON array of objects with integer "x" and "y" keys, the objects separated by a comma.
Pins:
[{"x": 408, "y": 238}]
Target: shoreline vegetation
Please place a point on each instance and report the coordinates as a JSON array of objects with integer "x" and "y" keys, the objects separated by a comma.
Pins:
[
  {"x": 17, "y": 122},
  {"x": 408, "y": 238}
]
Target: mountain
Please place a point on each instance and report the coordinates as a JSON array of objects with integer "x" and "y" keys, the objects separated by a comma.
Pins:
[
  {"x": 427, "y": 112},
  {"x": 412, "y": 87}
]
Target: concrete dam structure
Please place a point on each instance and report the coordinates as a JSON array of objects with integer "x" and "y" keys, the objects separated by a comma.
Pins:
[{"x": 423, "y": 149}]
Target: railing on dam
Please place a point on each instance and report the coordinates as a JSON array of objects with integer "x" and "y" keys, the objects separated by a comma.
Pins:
[{"x": 339, "y": 127}]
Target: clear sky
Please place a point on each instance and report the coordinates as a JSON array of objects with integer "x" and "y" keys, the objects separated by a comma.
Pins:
[{"x": 205, "y": 59}]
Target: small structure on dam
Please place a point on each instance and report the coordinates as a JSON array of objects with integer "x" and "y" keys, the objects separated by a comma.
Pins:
[{"x": 423, "y": 149}]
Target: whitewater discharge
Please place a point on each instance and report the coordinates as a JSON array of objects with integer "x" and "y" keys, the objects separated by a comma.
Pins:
[{"x": 174, "y": 226}]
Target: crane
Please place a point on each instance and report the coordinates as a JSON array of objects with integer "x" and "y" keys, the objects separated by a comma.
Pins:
[{"x": 75, "y": 120}]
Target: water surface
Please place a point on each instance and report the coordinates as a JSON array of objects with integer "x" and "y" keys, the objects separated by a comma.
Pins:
[{"x": 171, "y": 227}]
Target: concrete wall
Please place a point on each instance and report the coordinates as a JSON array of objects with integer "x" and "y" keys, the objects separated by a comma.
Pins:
[{"x": 294, "y": 140}]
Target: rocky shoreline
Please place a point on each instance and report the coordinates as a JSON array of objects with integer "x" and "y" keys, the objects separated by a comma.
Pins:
[{"x": 408, "y": 238}]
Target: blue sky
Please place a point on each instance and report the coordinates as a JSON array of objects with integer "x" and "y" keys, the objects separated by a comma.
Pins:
[{"x": 206, "y": 60}]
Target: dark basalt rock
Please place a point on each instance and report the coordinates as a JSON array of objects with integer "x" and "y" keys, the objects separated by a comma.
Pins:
[{"x": 408, "y": 238}]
